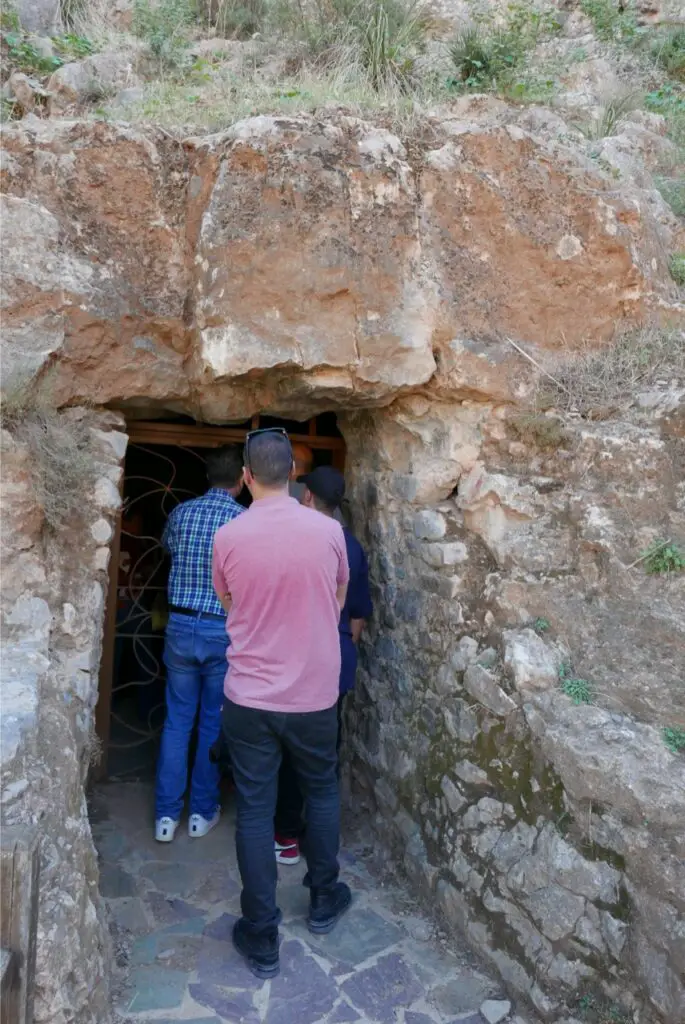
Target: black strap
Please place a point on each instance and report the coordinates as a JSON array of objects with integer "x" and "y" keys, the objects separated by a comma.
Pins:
[{"x": 194, "y": 612}]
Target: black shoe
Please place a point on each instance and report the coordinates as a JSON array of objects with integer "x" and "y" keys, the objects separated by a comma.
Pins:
[
  {"x": 327, "y": 906},
  {"x": 260, "y": 952}
]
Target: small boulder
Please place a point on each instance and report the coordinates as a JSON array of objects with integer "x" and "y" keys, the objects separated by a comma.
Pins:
[
  {"x": 429, "y": 525},
  {"x": 495, "y": 1010},
  {"x": 90, "y": 79},
  {"x": 482, "y": 684},
  {"x": 27, "y": 92},
  {"x": 533, "y": 664},
  {"x": 464, "y": 653},
  {"x": 128, "y": 97}
]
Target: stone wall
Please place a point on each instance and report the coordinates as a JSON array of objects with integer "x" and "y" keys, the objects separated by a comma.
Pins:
[
  {"x": 550, "y": 833},
  {"x": 295, "y": 265},
  {"x": 52, "y": 605}
]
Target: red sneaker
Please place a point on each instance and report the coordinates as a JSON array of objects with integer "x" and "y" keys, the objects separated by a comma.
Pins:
[{"x": 287, "y": 850}]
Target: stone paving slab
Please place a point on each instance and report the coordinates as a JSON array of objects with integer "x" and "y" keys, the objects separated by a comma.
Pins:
[{"x": 173, "y": 906}]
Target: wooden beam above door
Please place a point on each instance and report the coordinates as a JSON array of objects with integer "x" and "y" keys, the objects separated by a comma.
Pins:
[{"x": 197, "y": 436}]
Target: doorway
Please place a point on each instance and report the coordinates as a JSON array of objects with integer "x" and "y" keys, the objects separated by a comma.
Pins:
[{"x": 164, "y": 466}]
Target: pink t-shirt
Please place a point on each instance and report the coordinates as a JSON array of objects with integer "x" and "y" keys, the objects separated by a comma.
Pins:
[{"x": 282, "y": 564}]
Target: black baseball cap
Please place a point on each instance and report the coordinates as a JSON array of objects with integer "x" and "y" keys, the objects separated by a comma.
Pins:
[{"x": 325, "y": 483}]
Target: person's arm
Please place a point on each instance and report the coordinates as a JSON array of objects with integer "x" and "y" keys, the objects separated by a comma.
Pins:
[
  {"x": 356, "y": 627},
  {"x": 220, "y": 587},
  {"x": 359, "y": 603},
  {"x": 343, "y": 576}
]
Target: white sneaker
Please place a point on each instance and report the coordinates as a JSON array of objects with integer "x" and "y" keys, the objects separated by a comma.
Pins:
[
  {"x": 165, "y": 829},
  {"x": 199, "y": 826}
]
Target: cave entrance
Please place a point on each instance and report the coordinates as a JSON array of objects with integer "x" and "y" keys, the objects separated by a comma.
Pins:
[{"x": 164, "y": 465}]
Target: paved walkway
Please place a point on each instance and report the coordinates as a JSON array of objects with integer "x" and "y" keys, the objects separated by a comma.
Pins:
[{"x": 172, "y": 908}]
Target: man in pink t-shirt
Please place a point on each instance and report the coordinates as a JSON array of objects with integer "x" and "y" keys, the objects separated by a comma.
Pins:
[{"x": 281, "y": 572}]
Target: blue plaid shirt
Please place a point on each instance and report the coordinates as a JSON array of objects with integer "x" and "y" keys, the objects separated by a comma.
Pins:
[{"x": 189, "y": 538}]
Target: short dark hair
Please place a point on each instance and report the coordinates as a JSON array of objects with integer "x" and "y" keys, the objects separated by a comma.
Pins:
[
  {"x": 270, "y": 458},
  {"x": 224, "y": 465}
]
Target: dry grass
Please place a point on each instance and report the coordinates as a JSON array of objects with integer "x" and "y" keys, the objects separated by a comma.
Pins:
[
  {"x": 62, "y": 465},
  {"x": 228, "y": 96},
  {"x": 597, "y": 383},
  {"x": 610, "y": 115},
  {"x": 541, "y": 431}
]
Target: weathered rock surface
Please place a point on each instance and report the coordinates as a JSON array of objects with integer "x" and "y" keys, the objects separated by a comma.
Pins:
[
  {"x": 92, "y": 78},
  {"x": 292, "y": 266},
  {"x": 42, "y": 16},
  {"x": 362, "y": 278},
  {"x": 51, "y": 611}
]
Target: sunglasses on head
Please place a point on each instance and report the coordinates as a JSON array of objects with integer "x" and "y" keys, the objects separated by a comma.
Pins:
[{"x": 263, "y": 430}]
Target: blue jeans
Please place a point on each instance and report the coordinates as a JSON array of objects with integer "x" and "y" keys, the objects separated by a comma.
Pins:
[
  {"x": 195, "y": 659},
  {"x": 256, "y": 740}
]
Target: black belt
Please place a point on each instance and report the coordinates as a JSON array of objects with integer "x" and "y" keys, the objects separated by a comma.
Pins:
[{"x": 174, "y": 608}]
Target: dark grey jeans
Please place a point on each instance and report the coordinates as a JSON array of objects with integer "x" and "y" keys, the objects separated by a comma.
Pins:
[{"x": 256, "y": 741}]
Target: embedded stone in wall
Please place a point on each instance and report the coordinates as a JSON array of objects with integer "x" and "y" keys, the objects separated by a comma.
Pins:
[
  {"x": 483, "y": 684},
  {"x": 533, "y": 664}
]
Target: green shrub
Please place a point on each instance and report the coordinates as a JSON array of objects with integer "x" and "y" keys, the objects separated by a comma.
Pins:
[
  {"x": 374, "y": 41},
  {"x": 663, "y": 557},
  {"x": 667, "y": 49},
  {"x": 673, "y": 191},
  {"x": 23, "y": 56},
  {"x": 234, "y": 19},
  {"x": 612, "y": 22},
  {"x": 481, "y": 59},
  {"x": 674, "y": 738},
  {"x": 676, "y": 265},
  {"x": 164, "y": 26},
  {"x": 486, "y": 57},
  {"x": 579, "y": 690},
  {"x": 391, "y": 38}
]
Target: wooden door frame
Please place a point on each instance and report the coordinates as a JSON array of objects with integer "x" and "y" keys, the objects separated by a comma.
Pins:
[{"x": 177, "y": 435}]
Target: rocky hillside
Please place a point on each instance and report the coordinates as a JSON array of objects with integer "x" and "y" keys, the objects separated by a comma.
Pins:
[{"x": 461, "y": 229}]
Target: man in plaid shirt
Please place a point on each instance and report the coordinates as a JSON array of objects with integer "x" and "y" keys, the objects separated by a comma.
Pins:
[{"x": 195, "y": 650}]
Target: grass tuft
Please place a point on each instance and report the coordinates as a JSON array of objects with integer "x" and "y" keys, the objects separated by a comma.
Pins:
[
  {"x": 542, "y": 431},
  {"x": 579, "y": 690},
  {"x": 610, "y": 115},
  {"x": 62, "y": 464},
  {"x": 600, "y": 381},
  {"x": 488, "y": 57}
]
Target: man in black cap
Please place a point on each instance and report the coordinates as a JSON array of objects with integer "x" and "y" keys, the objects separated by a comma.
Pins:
[{"x": 324, "y": 491}]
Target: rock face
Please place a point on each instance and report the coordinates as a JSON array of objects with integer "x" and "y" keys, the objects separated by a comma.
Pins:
[
  {"x": 52, "y": 611},
  {"x": 296, "y": 266},
  {"x": 42, "y": 16},
  {"x": 543, "y": 829}
]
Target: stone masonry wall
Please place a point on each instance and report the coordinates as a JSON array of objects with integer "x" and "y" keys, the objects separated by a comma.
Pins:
[
  {"x": 552, "y": 834},
  {"x": 52, "y": 608}
]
